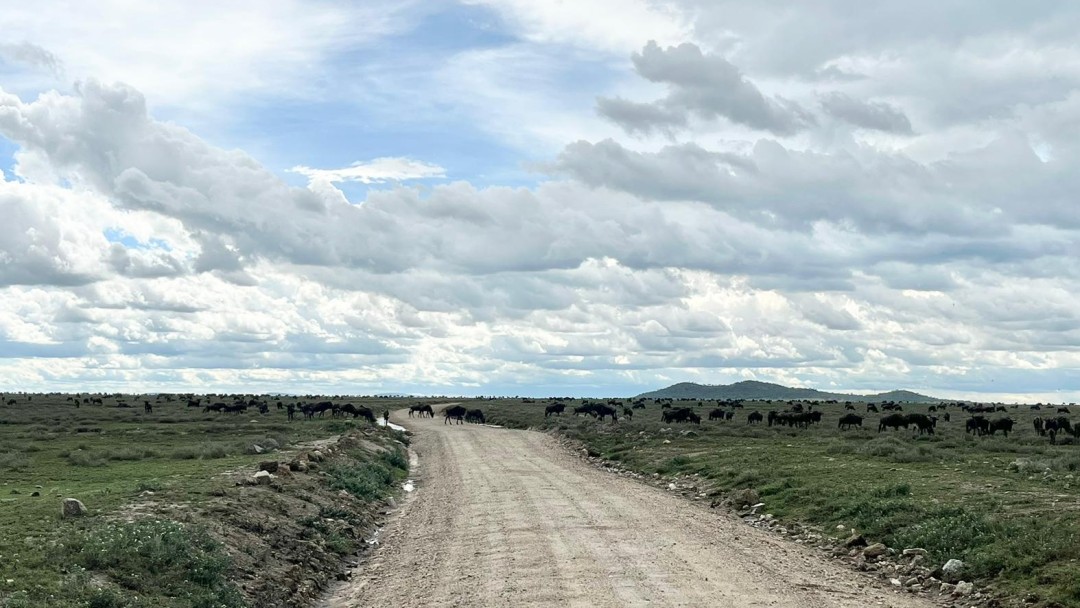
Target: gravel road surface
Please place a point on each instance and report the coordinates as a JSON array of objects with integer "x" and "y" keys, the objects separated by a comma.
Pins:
[{"x": 508, "y": 518}]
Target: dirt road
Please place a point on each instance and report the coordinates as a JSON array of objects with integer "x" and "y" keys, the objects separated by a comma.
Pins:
[{"x": 507, "y": 518}]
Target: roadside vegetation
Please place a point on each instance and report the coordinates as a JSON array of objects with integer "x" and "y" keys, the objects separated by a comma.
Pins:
[
  {"x": 173, "y": 519},
  {"x": 1007, "y": 507}
]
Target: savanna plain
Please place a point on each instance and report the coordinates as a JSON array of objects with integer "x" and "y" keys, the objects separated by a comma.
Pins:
[{"x": 176, "y": 516}]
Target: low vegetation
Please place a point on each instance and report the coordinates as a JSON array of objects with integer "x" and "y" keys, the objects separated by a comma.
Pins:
[
  {"x": 166, "y": 523},
  {"x": 1007, "y": 507}
]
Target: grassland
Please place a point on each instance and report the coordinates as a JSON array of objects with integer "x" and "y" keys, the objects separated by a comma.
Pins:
[
  {"x": 1008, "y": 507},
  {"x": 117, "y": 459}
]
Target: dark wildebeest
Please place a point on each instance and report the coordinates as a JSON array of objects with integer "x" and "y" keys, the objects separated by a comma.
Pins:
[
  {"x": 1001, "y": 424},
  {"x": 849, "y": 421},
  {"x": 925, "y": 424},
  {"x": 416, "y": 408},
  {"x": 717, "y": 414},
  {"x": 947, "y": 416},
  {"x": 628, "y": 412},
  {"x": 870, "y": 407},
  {"x": 892, "y": 420},
  {"x": 555, "y": 408},
  {"x": 474, "y": 416},
  {"x": 602, "y": 411},
  {"x": 1038, "y": 424},
  {"x": 291, "y": 409},
  {"x": 454, "y": 413},
  {"x": 386, "y": 417},
  {"x": 754, "y": 417},
  {"x": 147, "y": 408},
  {"x": 977, "y": 425}
]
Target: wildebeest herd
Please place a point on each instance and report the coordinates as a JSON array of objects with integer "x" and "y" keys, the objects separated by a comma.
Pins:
[{"x": 803, "y": 415}]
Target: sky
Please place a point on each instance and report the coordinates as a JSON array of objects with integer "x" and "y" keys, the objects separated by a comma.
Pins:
[{"x": 514, "y": 197}]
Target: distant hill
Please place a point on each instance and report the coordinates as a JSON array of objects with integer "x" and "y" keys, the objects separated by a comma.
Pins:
[{"x": 753, "y": 390}]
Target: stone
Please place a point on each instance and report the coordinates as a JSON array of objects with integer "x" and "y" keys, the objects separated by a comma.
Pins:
[
  {"x": 270, "y": 466},
  {"x": 946, "y": 588},
  {"x": 263, "y": 478},
  {"x": 964, "y": 588},
  {"x": 317, "y": 456},
  {"x": 855, "y": 540},
  {"x": 72, "y": 507},
  {"x": 910, "y": 552},
  {"x": 951, "y": 570},
  {"x": 35, "y": 493},
  {"x": 258, "y": 449},
  {"x": 895, "y": 582},
  {"x": 875, "y": 550},
  {"x": 911, "y": 582},
  {"x": 744, "y": 498}
]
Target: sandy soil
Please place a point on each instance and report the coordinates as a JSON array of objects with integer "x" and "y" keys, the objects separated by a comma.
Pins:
[{"x": 508, "y": 518}]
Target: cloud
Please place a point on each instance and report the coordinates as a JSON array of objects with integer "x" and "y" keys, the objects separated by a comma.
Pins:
[
  {"x": 377, "y": 171},
  {"x": 866, "y": 114},
  {"x": 31, "y": 55},
  {"x": 706, "y": 86}
]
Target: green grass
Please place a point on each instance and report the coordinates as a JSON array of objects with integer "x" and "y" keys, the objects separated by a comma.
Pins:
[
  {"x": 1007, "y": 507},
  {"x": 108, "y": 457}
]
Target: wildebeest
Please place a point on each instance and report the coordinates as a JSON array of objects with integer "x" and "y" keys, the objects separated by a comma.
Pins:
[
  {"x": 1038, "y": 424},
  {"x": 754, "y": 418},
  {"x": 1001, "y": 424},
  {"x": 421, "y": 410},
  {"x": 924, "y": 423},
  {"x": 870, "y": 407},
  {"x": 978, "y": 425},
  {"x": 358, "y": 412},
  {"x": 291, "y": 409},
  {"x": 602, "y": 411},
  {"x": 892, "y": 420},
  {"x": 849, "y": 421},
  {"x": 628, "y": 412},
  {"x": 147, "y": 408},
  {"x": 717, "y": 414},
  {"x": 683, "y": 414},
  {"x": 456, "y": 412},
  {"x": 555, "y": 408},
  {"x": 475, "y": 416}
]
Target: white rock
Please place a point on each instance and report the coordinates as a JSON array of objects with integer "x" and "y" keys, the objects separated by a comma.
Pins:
[
  {"x": 263, "y": 478},
  {"x": 964, "y": 588}
]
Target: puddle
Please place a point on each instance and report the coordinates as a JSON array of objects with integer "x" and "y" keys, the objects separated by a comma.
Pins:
[{"x": 396, "y": 427}]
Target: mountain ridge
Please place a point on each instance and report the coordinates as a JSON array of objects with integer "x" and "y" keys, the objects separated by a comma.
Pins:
[{"x": 755, "y": 390}]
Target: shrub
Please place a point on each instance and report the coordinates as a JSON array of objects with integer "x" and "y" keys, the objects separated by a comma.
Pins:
[{"x": 154, "y": 555}]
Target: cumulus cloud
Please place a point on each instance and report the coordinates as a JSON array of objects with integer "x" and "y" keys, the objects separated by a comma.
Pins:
[
  {"x": 706, "y": 86},
  {"x": 31, "y": 55},
  {"x": 866, "y": 114},
  {"x": 735, "y": 235}
]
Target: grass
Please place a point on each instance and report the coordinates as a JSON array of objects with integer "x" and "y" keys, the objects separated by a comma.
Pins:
[
  {"x": 108, "y": 457},
  {"x": 1006, "y": 507}
]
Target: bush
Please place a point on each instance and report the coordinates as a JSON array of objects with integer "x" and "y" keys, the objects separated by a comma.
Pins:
[
  {"x": 13, "y": 461},
  {"x": 369, "y": 479},
  {"x": 152, "y": 556}
]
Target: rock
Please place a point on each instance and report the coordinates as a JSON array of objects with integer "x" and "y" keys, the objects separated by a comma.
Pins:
[
  {"x": 744, "y": 498},
  {"x": 911, "y": 582},
  {"x": 951, "y": 570},
  {"x": 263, "y": 478},
  {"x": 855, "y": 540},
  {"x": 667, "y": 441},
  {"x": 317, "y": 456},
  {"x": 35, "y": 493},
  {"x": 72, "y": 507},
  {"x": 270, "y": 466},
  {"x": 875, "y": 550},
  {"x": 284, "y": 470},
  {"x": 258, "y": 449},
  {"x": 671, "y": 486},
  {"x": 910, "y": 552},
  {"x": 271, "y": 444},
  {"x": 895, "y": 582},
  {"x": 946, "y": 588},
  {"x": 964, "y": 588},
  {"x": 841, "y": 527}
]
